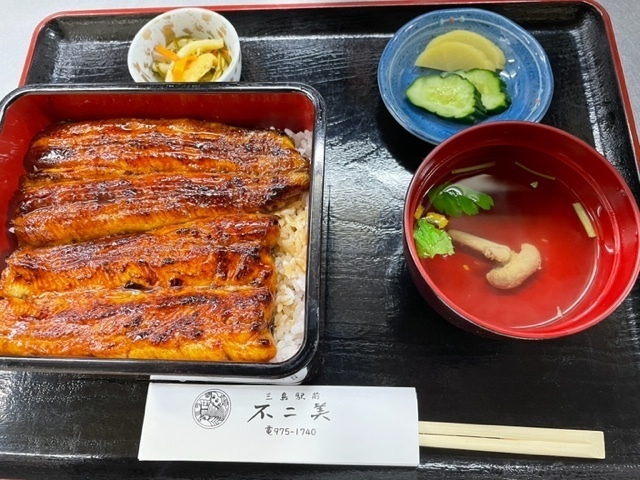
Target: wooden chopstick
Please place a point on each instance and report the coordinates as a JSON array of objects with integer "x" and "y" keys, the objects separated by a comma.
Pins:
[{"x": 512, "y": 439}]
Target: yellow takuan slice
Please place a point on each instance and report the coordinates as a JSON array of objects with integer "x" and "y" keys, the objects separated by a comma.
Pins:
[
  {"x": 482, "y": 43},
  {"x": 451, "y": 56}
]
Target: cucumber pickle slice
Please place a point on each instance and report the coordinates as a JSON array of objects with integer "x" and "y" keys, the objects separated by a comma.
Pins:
[
  {"x": 492, "y": 88},
  {"x": 450, "y": 96}
]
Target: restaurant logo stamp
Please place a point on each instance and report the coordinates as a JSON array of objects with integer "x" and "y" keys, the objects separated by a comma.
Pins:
[{"x": 211, "y": 408}]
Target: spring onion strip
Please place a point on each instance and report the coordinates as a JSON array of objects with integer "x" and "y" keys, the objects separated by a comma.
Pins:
[
  {"x": 534, "y": 172},
  {"x": 473, "y": 168},
  {"x": 585, "y": 220}
]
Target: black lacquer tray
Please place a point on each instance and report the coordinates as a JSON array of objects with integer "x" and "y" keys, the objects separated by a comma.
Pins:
[{"x": 378, "y": 329}]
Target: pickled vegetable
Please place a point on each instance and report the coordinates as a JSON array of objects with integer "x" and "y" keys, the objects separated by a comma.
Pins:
[
  {"x": 451, "y": 97},
  {"x": 451, "y": 56},
  {"x": 492, "y": 88},
  {"x": 482, "y": 43},
  {"x": 187, "y": 59}
]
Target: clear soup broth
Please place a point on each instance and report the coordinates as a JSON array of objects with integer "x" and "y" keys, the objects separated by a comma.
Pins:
[{"x": 528, "y": 208}]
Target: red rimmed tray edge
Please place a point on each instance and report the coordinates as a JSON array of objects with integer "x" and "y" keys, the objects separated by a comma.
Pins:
[{"x": 632, "y": 130}]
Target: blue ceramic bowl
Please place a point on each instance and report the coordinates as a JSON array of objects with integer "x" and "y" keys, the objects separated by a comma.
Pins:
[{"x": 527, "y": 72}]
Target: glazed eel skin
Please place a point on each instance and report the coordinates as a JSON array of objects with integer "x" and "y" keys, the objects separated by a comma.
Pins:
[
  {"x": 114, "y": 148},
  {"x": 226, "y": 250},
  {"x": 68, "y": 212},
  {"x": 148, "y": 239},
  {"x": 186, "y": 323}
]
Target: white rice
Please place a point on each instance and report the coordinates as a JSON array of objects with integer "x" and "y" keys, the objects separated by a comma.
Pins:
[
  {"x": 302, "y": 141},
  {"x": 291, "y": 264}
]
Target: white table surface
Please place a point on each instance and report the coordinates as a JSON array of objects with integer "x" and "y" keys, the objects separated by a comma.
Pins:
[{"x": 20, "y": 18}]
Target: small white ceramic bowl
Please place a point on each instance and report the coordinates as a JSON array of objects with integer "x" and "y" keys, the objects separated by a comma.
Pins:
[{"x": 193, "y": 22}]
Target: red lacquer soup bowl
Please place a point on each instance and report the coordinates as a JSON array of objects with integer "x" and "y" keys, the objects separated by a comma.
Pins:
[{"x": 542, "y": 232}]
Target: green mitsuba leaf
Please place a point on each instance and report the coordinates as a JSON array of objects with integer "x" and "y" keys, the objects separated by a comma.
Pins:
[
  {"x": 430, "y": 240},
  {"x": 456, "y": 199}
]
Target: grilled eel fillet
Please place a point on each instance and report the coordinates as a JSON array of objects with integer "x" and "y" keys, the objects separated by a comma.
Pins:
[
  {"x": 76, "y": 211},
  {"x": 188, "y": 323},
  {"x": 226, "y": 250},
  {"x": 114, "y": 148}
]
